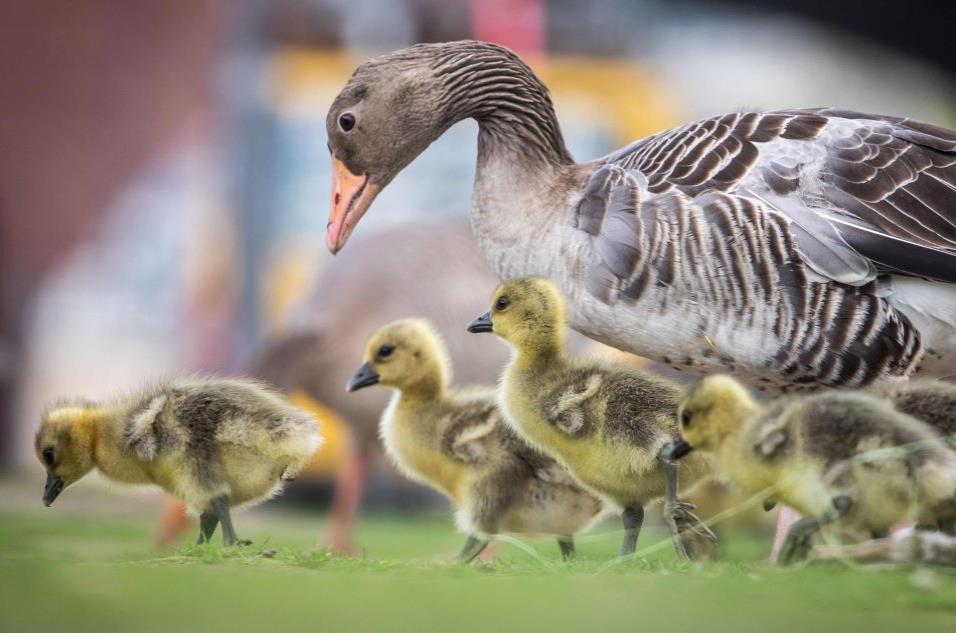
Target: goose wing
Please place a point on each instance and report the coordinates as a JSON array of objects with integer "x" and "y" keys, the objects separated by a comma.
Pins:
[
  {"x": 737, "y": 257},
  {"x": 865, "y": 193}
]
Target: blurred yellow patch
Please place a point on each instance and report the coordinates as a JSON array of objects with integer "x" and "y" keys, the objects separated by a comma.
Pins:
[{"x": 335, "y": 429}]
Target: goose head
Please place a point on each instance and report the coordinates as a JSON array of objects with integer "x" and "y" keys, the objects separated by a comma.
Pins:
[
  {"x": 384, "y": 117},
  {"x": 64, "y": 447},
  {"x": 406, "y": 355},
  {"x": 395, "y": 105},
  {"x": 528, "y": 313},
  {"x": 712, "y": 412}
]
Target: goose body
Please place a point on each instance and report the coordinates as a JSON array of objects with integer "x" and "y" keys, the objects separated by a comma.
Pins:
[{"x": 795, "y": 249}]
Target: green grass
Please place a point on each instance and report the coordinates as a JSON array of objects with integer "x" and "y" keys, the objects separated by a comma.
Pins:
[{"x": 75, "y": 571}]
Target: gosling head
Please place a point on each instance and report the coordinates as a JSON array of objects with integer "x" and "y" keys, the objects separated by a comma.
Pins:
[
  {"x": 64, "y": 447},
  {"x": 528, "y": 313},
  {"x": 404, "y": 355},
  {"x": 711, "y": 412}
]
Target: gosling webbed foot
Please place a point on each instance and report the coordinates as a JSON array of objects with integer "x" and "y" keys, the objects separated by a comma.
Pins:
[
  {"x": 799, "y": 541},
  {"x": 688, "y": 521},
  {"x": 796, "y": 547},
  {"x": 686, "y": 529},
  {"x": 692, "y": 538},
  {"x": 471, "y": 549}
]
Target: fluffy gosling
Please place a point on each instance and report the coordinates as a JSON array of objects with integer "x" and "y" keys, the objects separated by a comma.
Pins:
[
  {"x": 212, "y": 443},
  {"x": 932, "y": 401},
  {"x": 456, "y": 442},
  {"x": 836, "y": 457},
  {"x": 608, "y": 424}
]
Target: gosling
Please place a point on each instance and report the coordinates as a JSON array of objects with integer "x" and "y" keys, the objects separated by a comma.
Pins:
[
  {"x": 932, "y": 401},
  {"x": 608, "y": 424},
  {"x": 836, "y": 457},
  {"x": 456, "y": 442},
  {"x": 213, "y": 443}
]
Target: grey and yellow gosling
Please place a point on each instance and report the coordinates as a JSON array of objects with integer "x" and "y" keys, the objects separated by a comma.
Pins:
[
  {"x": 214, "y": 443},
  {"x": 931, "y": 401},
  {"x": 456, "y": 442},
  {"x": 837, "y": 457},
  {"x": 608, "y": 424}
]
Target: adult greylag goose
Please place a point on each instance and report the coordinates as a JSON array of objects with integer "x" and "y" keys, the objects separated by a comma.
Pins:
[{"x": 793, "y": 248}]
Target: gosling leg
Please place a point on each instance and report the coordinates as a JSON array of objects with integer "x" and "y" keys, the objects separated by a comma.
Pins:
[
  {"x": 633, "y": 519},
  {"x": 798, "y": 543},
  {"x": 566, "y": 543},
  {"x": 220, "y": 506},
  {"x": 471, "y": 549},
  {"x": 677, "y": 513},
  {"x": 207, "y": 526}
]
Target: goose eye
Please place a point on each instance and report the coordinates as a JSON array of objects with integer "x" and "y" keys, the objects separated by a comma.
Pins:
[
  {"x": 347, "y": 121},
  {"x": 685, "y": 418},
  {"x": 385, "y": 351},
  {"x": 502, "y": 303},
  {"x": 48, "y": 455}
]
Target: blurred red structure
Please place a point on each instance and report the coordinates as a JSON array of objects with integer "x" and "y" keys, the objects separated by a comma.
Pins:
[{"x": 91, "y": 92}]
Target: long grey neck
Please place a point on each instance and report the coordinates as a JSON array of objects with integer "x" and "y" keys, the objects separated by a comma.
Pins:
[{"x": 513, "y": 108}]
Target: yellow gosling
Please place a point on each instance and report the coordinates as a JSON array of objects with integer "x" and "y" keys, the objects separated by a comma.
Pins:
[
  {"x": 609, "y": 424},
  {"x": 213, "y": 443},
  {"x": 843, "y": 458},
  {"x": 456, "y": 442}
]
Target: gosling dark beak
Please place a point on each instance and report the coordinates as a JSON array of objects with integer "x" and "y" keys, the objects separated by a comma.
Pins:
[
  {"x": 679, "y": 449},
  {"x": 481, "y": 324},
  {"x": 53, "y": 488},
  {"x": 364, "y": 377}
]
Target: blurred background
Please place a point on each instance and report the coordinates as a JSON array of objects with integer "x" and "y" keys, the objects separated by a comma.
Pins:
[{"x": 164, "y": 184}]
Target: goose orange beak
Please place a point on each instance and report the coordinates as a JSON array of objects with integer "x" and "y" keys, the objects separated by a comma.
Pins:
[{"x": 351, "y": 197}]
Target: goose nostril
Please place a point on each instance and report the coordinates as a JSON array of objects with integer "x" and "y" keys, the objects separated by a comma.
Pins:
[{"x": 338, "y": 196}]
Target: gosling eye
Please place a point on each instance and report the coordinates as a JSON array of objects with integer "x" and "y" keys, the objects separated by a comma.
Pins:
[
  {"x": 347, "y": 121},
  {"x": 502, "y": 303},
  {"x": 685, "y": 418},
  {"x": 385, "y": 351},
  {"x": 48, "y": 455}
]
